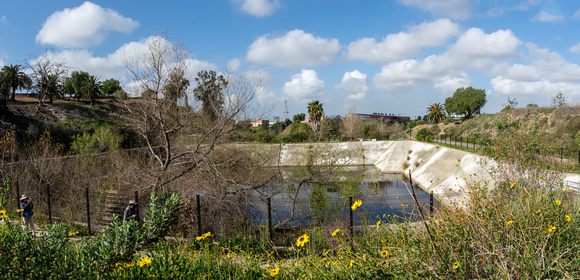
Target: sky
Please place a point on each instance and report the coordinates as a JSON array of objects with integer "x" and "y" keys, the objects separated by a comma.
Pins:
[{"x": 385, "y": 56}]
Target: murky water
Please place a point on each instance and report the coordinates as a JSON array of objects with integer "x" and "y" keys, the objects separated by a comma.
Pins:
[{"x": 384, "y": 197}]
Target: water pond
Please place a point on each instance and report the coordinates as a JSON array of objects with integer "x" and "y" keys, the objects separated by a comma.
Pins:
[{"x": 384, "y": 197}]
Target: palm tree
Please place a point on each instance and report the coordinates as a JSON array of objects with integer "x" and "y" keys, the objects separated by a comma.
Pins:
[
  {"x": 92, "y": 88},
  {"x": 51, "y": 87},
  {"x": 315, "y": 112},
  {"x": 435, "y": 113},
  {"x": 14, "y": 78}
]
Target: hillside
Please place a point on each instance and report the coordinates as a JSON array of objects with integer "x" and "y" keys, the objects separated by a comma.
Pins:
[
  {"x": 563, "y": 121},
  {"x": 63, "y": 118}
]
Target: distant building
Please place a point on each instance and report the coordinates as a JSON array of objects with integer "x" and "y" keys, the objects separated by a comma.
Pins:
[
  {"x": 257, "y": 123},
  {"x": 383, "y": 117}
]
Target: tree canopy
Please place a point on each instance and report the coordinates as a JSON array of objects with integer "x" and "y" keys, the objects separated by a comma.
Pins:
[
  {"x": 13, "y": 78},
  {"x": 466, "y": 101},
  {"x": 435, "y": 113},
  {"x": 315, "y": 113},
  {"x": 209, "y": 92}
]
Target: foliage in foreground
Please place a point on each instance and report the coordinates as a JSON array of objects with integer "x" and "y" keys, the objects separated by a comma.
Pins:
[
  {"x": 55, "y": 255},
  {"x": 527, "y": 227}
]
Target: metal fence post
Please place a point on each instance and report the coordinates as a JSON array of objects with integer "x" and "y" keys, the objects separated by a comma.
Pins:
[
  {"x": 198, "y": 214},
  {"x": 351, "y": 218},
  {"x": 431, "y": 203},
  {"x": 137, "y": 204},
  {"x": 88, "y": 209},
  {"x": 49, "y": 206},
  {"x": 270, "y": 217}
]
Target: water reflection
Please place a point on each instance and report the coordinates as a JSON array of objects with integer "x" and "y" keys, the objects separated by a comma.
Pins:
[{"x": 384, "y": 196}]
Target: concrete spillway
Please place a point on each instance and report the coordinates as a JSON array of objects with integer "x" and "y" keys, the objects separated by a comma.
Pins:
[{"x": 433, "y": 167}]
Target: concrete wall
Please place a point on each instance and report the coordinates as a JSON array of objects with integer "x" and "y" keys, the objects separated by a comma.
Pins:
[{"x": 433, "y": 167}]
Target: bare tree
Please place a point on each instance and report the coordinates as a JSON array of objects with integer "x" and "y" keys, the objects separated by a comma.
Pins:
[
  {"x": 47, "y": 73},
  {"x": 180, "y": 139},
  {"x": 351, "y": 124}
]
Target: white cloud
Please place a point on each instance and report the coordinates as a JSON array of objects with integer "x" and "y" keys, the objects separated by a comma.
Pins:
[
  {"x": 575, "y": 48},
  {"x": 303, "y": 85},
  {"x": 295, "y": 49},
  {"x": 547, "y": 74},
  {"x": 459, "y": 9},
  {"x": 354, "y": 83},
  {"x": 403, "y": 44},
  {"x": 3, "y": 20},
  {"x": 576, "y": 15},
  {"x": 449, "y": 83},
  {"x": 474, "y": 50},
  {"x": 545, "y": 17},
  {"x": 258, "y": 8},
  {"x": 83, "y": 26},
  {"x": 112, "y": 66},
  {"x": 234, "y": 64}
]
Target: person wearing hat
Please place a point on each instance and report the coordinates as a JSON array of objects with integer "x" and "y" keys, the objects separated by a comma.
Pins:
[
  {"x": 131, "y": 211},
  {"x": 27, "y": 206}
]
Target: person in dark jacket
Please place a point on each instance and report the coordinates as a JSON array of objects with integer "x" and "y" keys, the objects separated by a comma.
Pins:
[
  {"x": 131, "y": 212},
  {"x": 26, "y": 206}
]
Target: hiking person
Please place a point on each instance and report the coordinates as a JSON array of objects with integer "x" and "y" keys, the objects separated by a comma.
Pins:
[
  {"x": 131, "y": 212},
  {"x": 27, "y": 206}
]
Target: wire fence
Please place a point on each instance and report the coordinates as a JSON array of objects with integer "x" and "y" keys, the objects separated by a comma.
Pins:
[{"x": 89, "y": 210}]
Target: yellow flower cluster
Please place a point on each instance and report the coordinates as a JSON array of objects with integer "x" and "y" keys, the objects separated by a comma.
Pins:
[
  {"x": 552, "y": 229},
  {"x": 3, "y": 214},
  {"x": 274, "y": 271},
  {"x": 203, "y": 236},
  {"x": 356, "y": 205}
]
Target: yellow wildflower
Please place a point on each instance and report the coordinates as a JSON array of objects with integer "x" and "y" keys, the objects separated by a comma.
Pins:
[
  {"x": 538, "y": 211},
  {"x": 510, "y": 222},
  {"x": 335, "y": 232},
  {"x": 356, "y": 204},
  {"x": 274, "y": 271},
  {"x": 144, "y": 261},
  {"x": 3, "y": 214},
  {"x": 456, "y": 265},
  {"x": 457, "y": 165},
  {"x": 566, "y": 190},
  {"x": 384, "y": 254},
  {"x": 568, "y": 218},
  {"x": 351, "y": 263},
  {"x": 512, "y": 185},
  {"x": 144, "y": 224},
  {"x": 558, "y": 202},
  {"x": 551, "y": 229},
  {"x": 19, "y": 210},
  {"x": 203, "y": 236},
  {"x": 462, "y": 201},
  {"x": 302, "y": 240},
  {"x": 378, "y": 224},
  {"x": 230, "y": 255},
  {"x": 402, "y": 205}
]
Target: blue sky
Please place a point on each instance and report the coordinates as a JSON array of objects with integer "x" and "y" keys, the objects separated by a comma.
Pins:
[{"x": 393, "y": 57}]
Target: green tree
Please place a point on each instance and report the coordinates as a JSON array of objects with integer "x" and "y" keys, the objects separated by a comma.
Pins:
[
  {"x": 298, "y": 118},
  {"x": 51, "y": 87},
  {"x": 92, "y": 88},
  {"x": 209, "y": 92},
  {"x": 176, "y": 88},
  {"x": 558, "y": 100},
  {"x": 315, "y": 113},
  {"x": 110, "y": 87},
  {"x": 466, "y": 101},
  {"x": 73, "y": 85},
  {"x": 435, "y": 113},
  {"x": 13, "y": 78}
]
